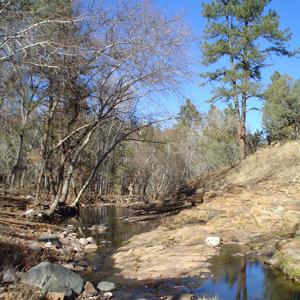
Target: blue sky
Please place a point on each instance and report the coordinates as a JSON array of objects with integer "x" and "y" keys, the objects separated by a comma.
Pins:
[{"x": 289, "y": 11}]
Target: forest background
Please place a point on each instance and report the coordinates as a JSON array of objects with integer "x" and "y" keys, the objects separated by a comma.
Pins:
[{"x": 82, "y": 90}]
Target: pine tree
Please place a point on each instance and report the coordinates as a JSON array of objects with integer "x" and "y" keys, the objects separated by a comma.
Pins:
[
  {"x": 281, "y": 112},
  {"x": 234, "y": 35}
]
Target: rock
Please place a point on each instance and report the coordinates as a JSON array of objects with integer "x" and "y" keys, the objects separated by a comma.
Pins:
[
  {"x": 54, "y": 278},
  {"x": 30, "y": 213},
  {"x": 108, "y": 295},
  {"x": 210, "y": 215},
  {"x": 64, "y": 251},
  {"x": 55, "y": 296},
  {"x": 215, "y": 241},
  {"x": 78, "y": 257},
  {"x": 83, "y": 241},
  {"x": 198, "y": 198},
  {"x": 69, "y": 266},
  {"x": 99, "y": 228},
  {"x": 89, "y": 288},
  {"x": 106, "y": 286},
  {"x": 52, "y": 238},
  {"x": 48, "y": 245},
  {"x": 91, "y": 240},
  {"x": 90, "y": 248},
  {"x": 272, "y": 261},
  {"x": 70, "y": 228},
  {"x": 82, "y": 263},
  {"x": 35, "y": 246},
  {"x": 8, "y": 277}
]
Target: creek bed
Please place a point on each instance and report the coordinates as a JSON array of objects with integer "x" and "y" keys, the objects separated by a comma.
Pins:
[{"x": 234, "y": 275}]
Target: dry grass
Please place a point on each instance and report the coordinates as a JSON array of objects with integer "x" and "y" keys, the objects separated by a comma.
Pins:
[
  {"x": 272, "y": 162},
  {"x": 20, "y": 257},
  {"x": 22, "y": 292}
]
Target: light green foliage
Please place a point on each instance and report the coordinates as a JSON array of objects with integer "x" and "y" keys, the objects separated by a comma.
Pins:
[
  {"x": 281, "y": 111},
  {"x": 233, "y": 37},
  {"x": 207, "y": 140},
  {"x": 219, "y": 146},
  {"x": 288, "y": 265}
]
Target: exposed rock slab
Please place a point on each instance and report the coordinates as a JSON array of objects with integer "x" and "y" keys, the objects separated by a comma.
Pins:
[{"x": 178, "y": 249}]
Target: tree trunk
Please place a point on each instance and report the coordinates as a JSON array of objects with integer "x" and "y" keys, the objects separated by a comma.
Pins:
[
  {"x": 16, "y": 165},
  {"x": 65, "y": 189},
  {"x": 240, "y": 117}
]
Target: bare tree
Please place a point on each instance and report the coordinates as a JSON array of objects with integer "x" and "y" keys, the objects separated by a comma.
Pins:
[{"x": 97, "y": 64}]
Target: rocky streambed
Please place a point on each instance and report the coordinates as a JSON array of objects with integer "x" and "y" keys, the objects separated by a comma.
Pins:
[
  {"x": 268, "y": 225},
  {"x": 173, "y": 258}
]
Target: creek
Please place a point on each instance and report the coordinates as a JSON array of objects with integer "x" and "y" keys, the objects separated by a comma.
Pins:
[{"x": 234, "y": 275}]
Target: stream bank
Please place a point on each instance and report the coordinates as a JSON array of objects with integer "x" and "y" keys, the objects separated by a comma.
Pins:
[{"x": 266, "y": 224}]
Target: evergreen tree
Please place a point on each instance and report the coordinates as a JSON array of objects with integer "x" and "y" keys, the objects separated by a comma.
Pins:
[
  {"x": 234, "y": 32},
  {"x": 188, "y": 114},
  {"x": 281, "y": 112}
]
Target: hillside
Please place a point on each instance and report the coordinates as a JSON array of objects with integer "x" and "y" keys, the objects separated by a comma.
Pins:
[{"x": 255, "y": 203}]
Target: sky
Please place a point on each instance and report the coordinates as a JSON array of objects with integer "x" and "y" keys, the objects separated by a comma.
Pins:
[{"x": 288, "y": 11}]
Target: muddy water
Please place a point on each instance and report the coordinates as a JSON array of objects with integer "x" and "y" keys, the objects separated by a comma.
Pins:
[{"x": 234, "y": 276}]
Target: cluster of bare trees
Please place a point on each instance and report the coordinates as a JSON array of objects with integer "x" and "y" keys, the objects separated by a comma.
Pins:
[{"x": 75, "y": 80}]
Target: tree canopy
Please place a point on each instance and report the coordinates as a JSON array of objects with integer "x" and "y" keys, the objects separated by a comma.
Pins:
[
  {"x": 240, "y": 35},
  {"x": 281, "y": 111}
]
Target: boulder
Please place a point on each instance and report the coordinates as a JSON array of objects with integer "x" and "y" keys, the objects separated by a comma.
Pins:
[{"x": 53, "y": 278}]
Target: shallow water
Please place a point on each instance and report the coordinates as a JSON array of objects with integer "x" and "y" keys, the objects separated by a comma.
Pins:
[{"x": 233, "y": 276}]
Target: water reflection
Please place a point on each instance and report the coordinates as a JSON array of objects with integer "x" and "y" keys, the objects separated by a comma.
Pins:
[
  {"x": 246, "y": 278},
  {"x": 234, "y": 276},
  {"x": 119, "y": 231}
]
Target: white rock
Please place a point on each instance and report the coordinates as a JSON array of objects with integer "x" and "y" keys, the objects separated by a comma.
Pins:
[
  {"x": 68, "y": 266},
  {"x": 212, "y": 240},
  {"x": 83, "y": 241},
  {"x": 30, "y": 213},
  {"x": 106, "y": 286},
  {"x": 48, "y": 245},
  {"x": 108, "y": 295}
]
